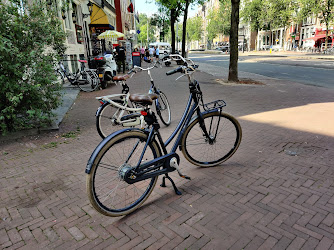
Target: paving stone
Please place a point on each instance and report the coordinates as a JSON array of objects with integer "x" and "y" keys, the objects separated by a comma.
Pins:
[{"x": 261, "y": 198}]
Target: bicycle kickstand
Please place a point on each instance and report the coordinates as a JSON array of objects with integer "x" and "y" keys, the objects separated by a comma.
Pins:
[{"x": 163, "y": 184}]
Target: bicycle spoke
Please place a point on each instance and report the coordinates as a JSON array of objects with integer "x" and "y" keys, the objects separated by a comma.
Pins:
[{"x": 108, "y": 166}]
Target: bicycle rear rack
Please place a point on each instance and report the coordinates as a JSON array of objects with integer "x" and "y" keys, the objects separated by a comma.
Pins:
[{"x": 214, "y": 105}]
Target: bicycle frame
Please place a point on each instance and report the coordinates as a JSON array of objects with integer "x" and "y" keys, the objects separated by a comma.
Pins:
[
  {"x": 191, "y": 108},
  {"x": 125, "y": 97},
  {"x": 63, "y": 71}
]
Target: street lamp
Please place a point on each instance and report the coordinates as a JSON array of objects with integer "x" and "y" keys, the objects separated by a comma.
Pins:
[{"x": 90, "y": 10}]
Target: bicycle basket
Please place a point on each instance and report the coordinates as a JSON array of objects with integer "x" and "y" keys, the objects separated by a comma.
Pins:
[{"x": 214, "y": 105}]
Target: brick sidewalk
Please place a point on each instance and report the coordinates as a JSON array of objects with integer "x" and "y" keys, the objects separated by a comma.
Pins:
[{"x": 276, "y": 192}]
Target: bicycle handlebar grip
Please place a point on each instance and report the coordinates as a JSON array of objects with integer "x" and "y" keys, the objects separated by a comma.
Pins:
[{"x": 171, "y": 72}]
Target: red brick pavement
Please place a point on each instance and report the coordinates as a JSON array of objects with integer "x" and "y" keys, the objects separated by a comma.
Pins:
[{"x": 276, "y": 192}]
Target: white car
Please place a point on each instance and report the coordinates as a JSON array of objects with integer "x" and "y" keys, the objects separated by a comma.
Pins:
[{"x": 164, "y": 48}]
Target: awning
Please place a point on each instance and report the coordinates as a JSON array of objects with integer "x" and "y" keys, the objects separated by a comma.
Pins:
[
  {"x": 315, "y": 38},
  {"x": 100, "y": 19}
]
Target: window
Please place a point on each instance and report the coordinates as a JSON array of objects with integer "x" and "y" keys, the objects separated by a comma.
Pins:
[
  {"x": 79, "y": 33},
  {"x": 111, "y": 2}
]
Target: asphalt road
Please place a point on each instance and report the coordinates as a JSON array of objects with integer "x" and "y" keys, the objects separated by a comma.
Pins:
[{"x": 307, "y": 71}]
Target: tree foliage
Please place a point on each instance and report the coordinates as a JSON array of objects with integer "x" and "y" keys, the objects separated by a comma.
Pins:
[
  {"x": 219, "y": 20},
  {"x": 280, "y": 13},
  {"x": 31, "y": 39},
  {"x": 195, "y": 28},
  {"x": 174, "y": 8},
  {"x": 253, "y": 12},
  {"x": 161, "y": 22},
  {"x": 145, "y": 25},
  {"x": 323, "y": 9}
]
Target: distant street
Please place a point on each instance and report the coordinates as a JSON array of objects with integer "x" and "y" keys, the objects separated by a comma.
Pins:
[{"x": 307, "y": 71}]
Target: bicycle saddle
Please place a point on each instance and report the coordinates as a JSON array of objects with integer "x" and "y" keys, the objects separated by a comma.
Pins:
[
  {"x": 143, "y": 98},
  {"x": 120, "y": 78}
]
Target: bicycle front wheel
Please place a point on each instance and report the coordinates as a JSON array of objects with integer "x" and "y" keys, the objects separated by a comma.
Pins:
[
  {"x": 108, "y": 192},
  {"x": 60, "y": 77},
  {"x": 86, "y": 83},
  {"x": 163, "y": 109},
  {"x": 225, "y": 137},
  {"x": 107, "y": 118}
]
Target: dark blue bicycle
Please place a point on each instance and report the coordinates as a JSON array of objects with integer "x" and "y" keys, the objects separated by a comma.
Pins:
[{"x": 124, "y": 168}]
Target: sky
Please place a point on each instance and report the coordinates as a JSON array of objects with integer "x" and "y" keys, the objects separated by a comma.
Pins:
[{"x": 149, "y": 7}]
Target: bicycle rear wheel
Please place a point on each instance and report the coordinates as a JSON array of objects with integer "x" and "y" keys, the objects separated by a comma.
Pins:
[
  {"x": 108, "y": 192},
  {"x": 106, "y": 118},
  {"x": 223, "y": 129},
  {"x": 85, "y": 82},
  {"x": 163, "y": 109}
]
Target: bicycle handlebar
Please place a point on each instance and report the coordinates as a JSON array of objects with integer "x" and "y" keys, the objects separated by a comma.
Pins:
[
  {"x": 173, "y": 71},
  {"x": 149, "y": 68}
]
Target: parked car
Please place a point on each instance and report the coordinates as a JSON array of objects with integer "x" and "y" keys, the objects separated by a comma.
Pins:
[
  {"x": 164, "y": 48},
  {"x": 224, "y": 48}
]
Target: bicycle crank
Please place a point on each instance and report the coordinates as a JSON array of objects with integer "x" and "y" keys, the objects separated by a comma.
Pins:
[{"x": 174, "y": 164}]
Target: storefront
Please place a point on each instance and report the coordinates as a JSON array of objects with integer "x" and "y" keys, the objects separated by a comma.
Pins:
[{"x": 101, "y": 21}]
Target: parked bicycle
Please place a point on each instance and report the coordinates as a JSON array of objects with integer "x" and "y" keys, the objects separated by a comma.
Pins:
[
  {"x": 118, "y": 110},
  {"x": 124, "y": 168},
  {"x": 86, "y": 79}
]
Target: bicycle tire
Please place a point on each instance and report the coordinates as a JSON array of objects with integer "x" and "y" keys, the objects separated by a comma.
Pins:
[
  {"x": 105, "y": 122},
  {"x": 85, "y": 82},
  {"x": 196, "y": 148},
  {"x": 163, "y": 109},
  {"x": 107, "y": 192}
]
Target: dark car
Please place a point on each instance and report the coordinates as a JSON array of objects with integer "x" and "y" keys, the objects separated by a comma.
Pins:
[{"x": 224, "y": 48}]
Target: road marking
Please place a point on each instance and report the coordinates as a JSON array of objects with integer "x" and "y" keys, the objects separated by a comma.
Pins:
[{"x": 215, "y": 60}]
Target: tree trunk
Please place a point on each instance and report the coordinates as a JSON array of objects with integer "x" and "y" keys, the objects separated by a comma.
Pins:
[
  {"x": 326, "y": 39},
  {"x": 172, "y": 22},
  {"x": 233, "y": 68},
  {"x": 184, "y": 32}
]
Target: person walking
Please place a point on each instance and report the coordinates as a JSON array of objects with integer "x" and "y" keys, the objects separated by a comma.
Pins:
[
  {"x": 157, "y": 52},
  {"x": 152, "y": 51},
  {"x": 142, "y": 52},
  {"x": 147, "y": 55},
  {"x": 120, "y": 57}
]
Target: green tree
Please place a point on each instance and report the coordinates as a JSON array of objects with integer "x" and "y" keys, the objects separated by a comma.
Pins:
[
  {"x": 219, "y": 20},
  {"x": 195, "y": 28},
  {"x": 253, "y": 11},
  {"x": 144, "y": 26},
  {"x": 31, "y": 39},
  {"x": 324, "y": 9},
  {"x": 279, "y": 13},
  {"x": 161, "y": 22},
  {"x": 174, "y": 8}
]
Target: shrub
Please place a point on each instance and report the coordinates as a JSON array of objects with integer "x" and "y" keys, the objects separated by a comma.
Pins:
[{"x": 31, "y": 38}]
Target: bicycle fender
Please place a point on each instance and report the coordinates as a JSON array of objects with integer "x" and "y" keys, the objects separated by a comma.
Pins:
[
  {"x": 98, "y": 111},
  {"x": 106, "y": 140}
]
